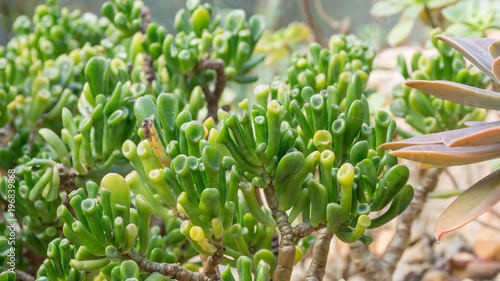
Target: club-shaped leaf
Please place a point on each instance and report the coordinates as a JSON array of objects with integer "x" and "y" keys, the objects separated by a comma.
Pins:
[
  {"x": 458, "y": 93},
  {"x": 441, "y": 155},
  {"x": 476, "y": 200},
  {"x": 484, "y": 134},
  {"x": 475, "y": 50}
]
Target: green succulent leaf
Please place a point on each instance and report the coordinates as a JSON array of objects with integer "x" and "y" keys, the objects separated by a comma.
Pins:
[{"x": 400, "y": 31}]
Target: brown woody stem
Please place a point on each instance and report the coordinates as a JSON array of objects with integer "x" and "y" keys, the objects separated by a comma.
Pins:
[
  {"x": 305, "y": 229},
  {"x": 382, "y": 268},
  {"x": 321, "y": 247},
  {"x": 210, "y": 266},
  {"x": 286, "y": 252},
  {"x": 21, "y": 275},
  {"x": 213, "y": 97},
  {"x": 174, "y": 271},
  {"x": 149, "y": 71},
  {"x": 318, "y": 36}
]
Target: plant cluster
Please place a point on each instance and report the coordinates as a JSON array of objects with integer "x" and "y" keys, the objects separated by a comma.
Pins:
[
  {"x": 335, "y": 65},
  {"x": 476, "y": 143},
  {"x": 429, "y": 114},
  {"x": 129, "y": 169},
  {"x": 469, "y": 18}
]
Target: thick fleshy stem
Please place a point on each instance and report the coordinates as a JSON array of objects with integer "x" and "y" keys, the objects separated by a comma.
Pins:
[
  {"x": 321, "y": 247},
  {"x": 383, "y": 267},
  {"x": 211, "y": 263},
  {"x": 304, "y": 229},
  {"x": 286, "y": 252},
  {"x": 174, "y": 271},
  {"x": 149, "y": 71},
  {"x": 213, "y": 97}
]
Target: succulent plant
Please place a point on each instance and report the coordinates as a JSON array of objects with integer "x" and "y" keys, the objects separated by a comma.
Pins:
[
  {"x": 429, "y": 114},
  {"x": 471, "y": 18},
  {"x": 476, "y": 143},
  {"x": 334, "y": 65},
  {"x": 118, "y": 175},
  {"x": 277, "y": 45},
  {"x": 411, "y": 11}
]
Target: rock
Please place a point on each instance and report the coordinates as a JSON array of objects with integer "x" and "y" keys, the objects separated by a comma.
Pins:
[
  {"x": 436, "y": 275},
  {"x": 451, "y": 246},
  {"x": 487, "y": 244},
  {"x": 458, "y": 264},
  {"x": 482, "y": 269}
]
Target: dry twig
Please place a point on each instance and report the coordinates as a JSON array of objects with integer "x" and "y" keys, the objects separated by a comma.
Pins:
[{"x": 383, "y": 267}]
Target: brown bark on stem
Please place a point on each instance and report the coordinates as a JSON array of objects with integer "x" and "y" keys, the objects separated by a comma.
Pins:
[
  {"x": 21, "y": 275},
  {"x": 211, "y": 263},
  {"x": 149, "y": 71},
  {"x": 286, "y": 252},
  {"x": 213, "y": 97},
  {"x": 321, "y": 247},
  {"x": 174, "y": 271},
  {"x": 305, "y": 229},
  {"x": 311, "y": 21},
  {"x": 383, "y": 267}
]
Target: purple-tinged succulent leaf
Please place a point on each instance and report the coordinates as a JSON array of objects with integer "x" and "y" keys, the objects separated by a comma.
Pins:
[
  {"x": 495, "y": 68},
  {"x": 481, "y": 134},
  {"x": 476, "y": 200},
  {"x": 484, "y": 134},
  {"x": 441, "y": 155},
  {"x": 458, "y": 93},
  {"x": 436, "y": 138},
  {"x": 475, "y": 50},
  {"x": 474, "y": 123},
  {"x": 494, "y": 49}
]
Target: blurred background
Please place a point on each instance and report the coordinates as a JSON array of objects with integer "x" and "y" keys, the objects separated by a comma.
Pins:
[{"x": 332, "y": 16}]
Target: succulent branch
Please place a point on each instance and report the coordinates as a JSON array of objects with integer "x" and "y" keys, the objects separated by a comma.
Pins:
[
  {"x": 381, "y": 268},
  {"x": 213, "y": 96},
  {"x": 170, "y": 270},
  {"x": 286, "y": 251},
  {"x": 320, "y": 251},
  {"x": 311, "y": 21},
  {"x": 127, "y": 179}
]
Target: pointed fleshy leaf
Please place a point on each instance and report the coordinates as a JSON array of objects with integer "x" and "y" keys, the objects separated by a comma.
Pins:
[
  {"x": 429, "y": 166},
  {"x": 436, "y": 138},
  {"x": 476, "y": 200},
  {"x": 458, "y": 93},
  {"x": 474, "y": 123},
  {"x": 475, "y": 50},
  {"x": 494, "y": 49},
  {"x": 488, "y": 133},
  {"x": 495, "y": 68},
  {"x": 441, "y": 155}
]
